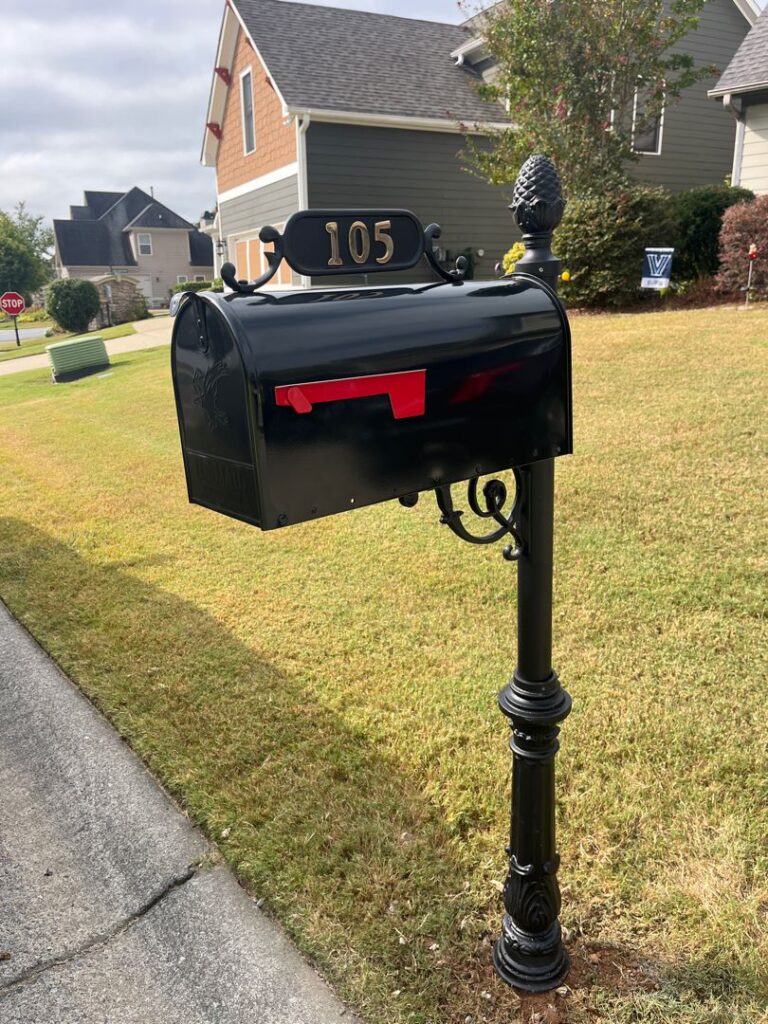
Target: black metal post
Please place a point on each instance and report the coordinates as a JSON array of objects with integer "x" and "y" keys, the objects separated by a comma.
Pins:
[
  {"x": 16, "y": 329},
  {"x": 529, "y": 953}
]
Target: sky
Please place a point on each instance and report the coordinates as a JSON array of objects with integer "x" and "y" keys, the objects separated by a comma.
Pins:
[{"x": 105, "y": 96}]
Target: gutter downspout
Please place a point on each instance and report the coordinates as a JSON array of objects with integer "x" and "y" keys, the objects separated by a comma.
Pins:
[
  {"x": 738, "y": 149},
  {"x": 302, "y": 123}
]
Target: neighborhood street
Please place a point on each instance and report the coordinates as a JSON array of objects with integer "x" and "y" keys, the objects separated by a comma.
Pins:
[{"x": 25, "y": 333}]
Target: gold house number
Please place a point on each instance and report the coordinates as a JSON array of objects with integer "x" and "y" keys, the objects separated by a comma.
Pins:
[{"x": 360, "y": 242}]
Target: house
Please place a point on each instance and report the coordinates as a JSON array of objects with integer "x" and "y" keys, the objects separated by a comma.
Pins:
[
  {"x": 320, "y": 107},
  {"x": 131, "y": 233},
  {"x": 743, "y": 92}
]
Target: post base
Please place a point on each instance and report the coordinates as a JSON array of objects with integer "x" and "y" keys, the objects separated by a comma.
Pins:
[
  {"x": 533, "y": 963},
  {"x": 535, "y": 703}
]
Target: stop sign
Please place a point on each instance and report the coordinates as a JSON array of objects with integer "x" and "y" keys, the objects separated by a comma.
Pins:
[{"x": 12, "y": 303}]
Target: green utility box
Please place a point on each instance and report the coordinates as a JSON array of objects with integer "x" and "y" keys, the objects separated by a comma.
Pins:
[{"x": 76, "y": 358}]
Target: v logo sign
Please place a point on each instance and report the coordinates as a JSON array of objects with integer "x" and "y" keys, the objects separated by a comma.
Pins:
[{"x": 659, "y": 263}]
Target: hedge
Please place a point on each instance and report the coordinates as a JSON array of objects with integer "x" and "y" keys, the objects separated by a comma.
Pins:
[
  {"x": 199, "y": 286},
  {"x": 744, "y": 225},
  {"x": 699, "y": 213},
  {"x": 602, "y": 239}
]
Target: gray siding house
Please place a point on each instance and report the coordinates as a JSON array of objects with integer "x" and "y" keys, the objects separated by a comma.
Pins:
[
  {"x": 743, "y": 92},
  {"x": 320, "y": 107},
  {"x": 131, "y": 234}
]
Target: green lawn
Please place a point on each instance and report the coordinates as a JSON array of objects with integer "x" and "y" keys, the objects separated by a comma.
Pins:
[
  {"x": 34, "y": 346},
  {"x": 322, "y": 699}
]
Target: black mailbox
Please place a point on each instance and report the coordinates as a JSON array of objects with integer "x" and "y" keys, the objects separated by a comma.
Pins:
[{"x": 298, "y": 405}]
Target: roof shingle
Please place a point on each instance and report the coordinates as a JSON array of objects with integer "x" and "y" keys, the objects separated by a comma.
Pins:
[
  {"x": 326, "y": 58},
  {"x": 97, "y": 235},
  {"x": 749, "y": 67},
  {"x": 158, "y": 216},
  {"x": 88, "y": 243}
]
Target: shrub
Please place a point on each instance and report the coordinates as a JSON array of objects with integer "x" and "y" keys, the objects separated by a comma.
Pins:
[
  {"x": 699, "y": 214},
  {"x": 192, "y": 286},
  {"x": 511, "y": 256},
  {"x": 137, "y": 309},
  {"x": 602, "y": 239},
  {"x": 33, "y": 315},
  {"x": 73, "y": 302},
  {"x": 743, "y": 225}
]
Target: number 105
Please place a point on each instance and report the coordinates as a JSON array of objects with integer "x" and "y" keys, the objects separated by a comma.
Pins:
[{"x": 359, "y": 241}]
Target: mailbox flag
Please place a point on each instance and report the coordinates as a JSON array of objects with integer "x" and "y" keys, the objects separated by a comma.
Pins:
[{"x": 657, "y": 268}]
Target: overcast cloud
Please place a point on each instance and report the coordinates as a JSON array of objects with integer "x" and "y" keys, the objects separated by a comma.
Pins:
[{"x": 106, "y": 96}]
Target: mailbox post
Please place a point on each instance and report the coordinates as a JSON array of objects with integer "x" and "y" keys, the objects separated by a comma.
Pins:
[
  {"x": 530, "y": 951},
  {"x": 297, "y": 405}
]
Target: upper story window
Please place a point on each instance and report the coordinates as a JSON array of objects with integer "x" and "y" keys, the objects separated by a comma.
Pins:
[
  {"x": 145, "y": 245},
  {"x": 646, "y": 132},
  {"x": 246, "y": 93}
]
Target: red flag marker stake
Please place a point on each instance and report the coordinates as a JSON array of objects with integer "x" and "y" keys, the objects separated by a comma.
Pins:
[{"x": 752, "y": 257}]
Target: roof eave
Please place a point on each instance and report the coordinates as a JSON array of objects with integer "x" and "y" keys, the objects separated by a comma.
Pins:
[
  {"x": 474, "y": 45},
  {"x": 231, "y": 22},
  {"x": 749, "y": 8},
  {"x": 468, "y": 126},
  {"x": 739, "y": 90},
  {"x": 217, "y": 96}
]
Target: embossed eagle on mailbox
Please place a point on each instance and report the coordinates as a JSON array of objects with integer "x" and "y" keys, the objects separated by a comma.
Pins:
[{"x": 206, "y": 387}]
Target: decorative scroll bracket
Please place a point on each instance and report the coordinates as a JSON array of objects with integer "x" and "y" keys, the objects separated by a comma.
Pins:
[{"x": 495, "y": 495}]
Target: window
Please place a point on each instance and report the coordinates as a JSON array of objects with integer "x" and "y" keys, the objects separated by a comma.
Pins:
[
  {"x": 199, "y": 277},
  {"x": 145, "y": 245},
  {"x": 646, "y": 133},
  {"x": 246, "y": 93},
  {"x": 181, "y": 279}
]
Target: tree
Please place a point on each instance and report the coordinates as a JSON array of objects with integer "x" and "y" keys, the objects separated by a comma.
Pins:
[
  {"x": 574, "y": 75},
  {"x": 73, "y": 302},
  {"x": 22, "y": 267},
  {"x": 37, "y": 234}
]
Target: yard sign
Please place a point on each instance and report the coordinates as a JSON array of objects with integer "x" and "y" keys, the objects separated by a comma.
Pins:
[{"x": 657, "y": 268}]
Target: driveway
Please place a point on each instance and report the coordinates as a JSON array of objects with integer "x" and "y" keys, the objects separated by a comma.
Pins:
[{"x": 149, "y": 334}]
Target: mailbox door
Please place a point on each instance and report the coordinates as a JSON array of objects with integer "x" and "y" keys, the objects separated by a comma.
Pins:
[{"x": 215, "y": 412}]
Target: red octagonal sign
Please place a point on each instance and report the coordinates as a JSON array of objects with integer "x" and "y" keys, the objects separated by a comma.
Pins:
[{"x": 12, "y": 304}]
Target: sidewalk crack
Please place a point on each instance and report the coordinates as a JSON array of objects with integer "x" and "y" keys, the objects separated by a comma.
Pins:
[{"x": 99, "y": 941}]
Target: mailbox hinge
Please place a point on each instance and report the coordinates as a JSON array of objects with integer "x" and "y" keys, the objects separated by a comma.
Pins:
[{"x": 495, "y": 498}]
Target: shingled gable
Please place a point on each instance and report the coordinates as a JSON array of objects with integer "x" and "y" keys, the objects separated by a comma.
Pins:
[
  {"x": 748, "y": 71},
  {"x": 97, "y": 234},
  {"x": 353, "y": 66}
]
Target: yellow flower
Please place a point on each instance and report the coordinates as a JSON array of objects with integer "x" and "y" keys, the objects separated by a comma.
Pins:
[{"x": 565, "y": 276}]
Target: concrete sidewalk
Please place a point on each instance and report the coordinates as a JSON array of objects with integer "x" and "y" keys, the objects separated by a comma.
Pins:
[
  {"x": 149, "y": 334},
  {"x": 111, "y": 911}
]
